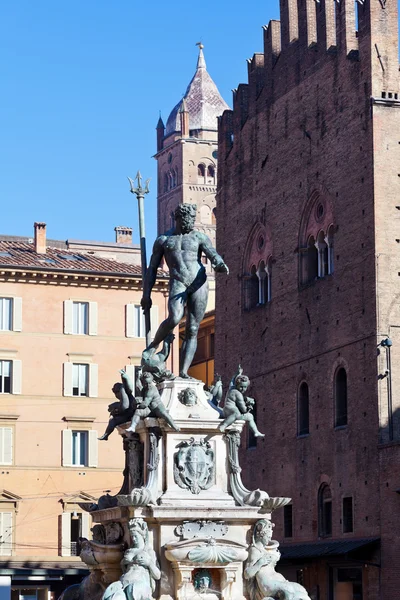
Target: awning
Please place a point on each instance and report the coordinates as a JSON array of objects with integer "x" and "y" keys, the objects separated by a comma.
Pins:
[{"x": 325, "y": 548}]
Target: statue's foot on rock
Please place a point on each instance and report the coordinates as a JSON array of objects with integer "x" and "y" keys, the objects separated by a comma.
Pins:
[
  {"x": 184, "y": 375},
  {"x": 103, "y": 437}
]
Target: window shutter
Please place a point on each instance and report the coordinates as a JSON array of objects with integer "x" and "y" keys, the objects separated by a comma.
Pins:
[
  {"x": 85, "y": 525},
  {"x": 130, "y": 371},
  {"x": 93, "y": 380},
  {"x": 6, "y": 445},
  {"x": 154, "y": 320},
  {"x": 130, "y": 320},
  {"x": 17, "y": 314},
  {"x": 92, "y": 318},
  {"x": 66, "y": 534},
  {"x": 68, "y": 379},
  {"x": 68, "y": 316},
  {"x": 16, "y": 377},
  {"x": 93, "y": 449},
  {"x": 66, "y": 448},
  {"x": 6, "y": 533}
]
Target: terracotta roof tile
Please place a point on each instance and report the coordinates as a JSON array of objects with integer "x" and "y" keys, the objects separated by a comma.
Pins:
[{"x": 22, "y": 254}]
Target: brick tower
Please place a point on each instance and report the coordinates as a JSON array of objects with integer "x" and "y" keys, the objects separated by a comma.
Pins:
[
  {"x": 309, "y": 216},
  {"x": 187, "y": 155}
]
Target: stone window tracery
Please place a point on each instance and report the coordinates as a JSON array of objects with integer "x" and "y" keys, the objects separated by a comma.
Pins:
[
  {"x": 316, "y": 238},
  {"x": 257, "y": 268}
]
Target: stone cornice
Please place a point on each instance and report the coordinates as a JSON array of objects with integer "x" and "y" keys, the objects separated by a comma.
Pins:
[{"x": 77, "y": 278}]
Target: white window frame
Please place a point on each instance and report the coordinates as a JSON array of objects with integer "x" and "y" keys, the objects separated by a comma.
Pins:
[
  {"x": 135, "y": 322},
  {"x": 6, "y": 532},
  {"x": 6, "y": 314},
  {"x": 90, "y": 327},
  {"x": 15, "y": 376},
  {"x": 91, "y": 452},
  {"x": 80, "y": 318},
  {"x": 80, "y": 375},
  {"x": 6, "y": 445},
  {"x": 91, "y": 383},
  {"x": 80, "y": 448},
  {"x": 66, "y": 518}
]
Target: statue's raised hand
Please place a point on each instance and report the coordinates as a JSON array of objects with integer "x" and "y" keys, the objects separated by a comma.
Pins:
[{"x": 146, "y": 303}]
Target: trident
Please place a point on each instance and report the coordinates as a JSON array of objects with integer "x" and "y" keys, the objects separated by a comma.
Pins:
[{"x": 140, "y": 193}]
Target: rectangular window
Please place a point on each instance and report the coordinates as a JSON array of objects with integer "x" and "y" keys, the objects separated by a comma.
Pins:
[
  {"x": 6, "y": 533},
  {"x": 80, "y": 448},
  {"x": 6, "y": 445},
  {"x": 347, "y": 515},
  {"x": 80, "y": 380},
  {"x": 140, "y": 329},
  {"x": 6, "y": 306},
  {"x": 5, "y": 376},
  {"x": 288, "y": 521},
  {"x": 80, "y": 324}
]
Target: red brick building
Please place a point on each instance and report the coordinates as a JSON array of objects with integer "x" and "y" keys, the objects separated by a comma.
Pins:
[{"x": 308, "y": 221}]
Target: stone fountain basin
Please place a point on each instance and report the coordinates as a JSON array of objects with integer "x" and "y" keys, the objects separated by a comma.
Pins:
[{"x": 110, "y": 554}]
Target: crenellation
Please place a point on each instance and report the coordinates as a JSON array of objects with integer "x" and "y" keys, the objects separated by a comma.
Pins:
[
  {"x": 346, "y": 35},
  {"x": 328, "y": 27},
  {"x": 289, "y": 22},
  {"x": 241, "y": 105},
  {"x": 272, "y": 45},
  {"x": 307, "y": 22}
]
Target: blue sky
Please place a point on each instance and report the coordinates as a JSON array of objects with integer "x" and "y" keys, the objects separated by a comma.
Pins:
[{"x": 83, "y": 82}]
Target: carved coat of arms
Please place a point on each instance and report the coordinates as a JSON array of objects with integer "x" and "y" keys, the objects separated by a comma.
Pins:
[{"x": 194, "y": 465}]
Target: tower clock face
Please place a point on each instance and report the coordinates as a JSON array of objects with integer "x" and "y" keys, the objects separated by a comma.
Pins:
[{"x": 215, "y": 154}]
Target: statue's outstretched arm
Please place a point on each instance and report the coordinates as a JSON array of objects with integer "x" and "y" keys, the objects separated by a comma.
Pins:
[
  {"x": 127, "y": 383},
  {"x": 217, "y": 262}
]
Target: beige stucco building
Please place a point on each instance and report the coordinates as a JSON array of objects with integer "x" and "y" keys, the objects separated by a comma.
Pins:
[{"x": 69, "y": 320}]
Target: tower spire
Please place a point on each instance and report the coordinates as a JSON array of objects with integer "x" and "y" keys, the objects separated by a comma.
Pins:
[{"x": 201, "y": 63}]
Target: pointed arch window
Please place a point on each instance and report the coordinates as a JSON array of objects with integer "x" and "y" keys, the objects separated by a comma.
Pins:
[
  {"x": 251, "y": 289},
  {"x": 329, "y": 241},
  {"x": 312, "y": 259},
  {"x": 303, "y": 410},
  {"x": 340, "y": 397},
  {"x": 264, "y": 282},
  {"x": 324, "y": 511}
]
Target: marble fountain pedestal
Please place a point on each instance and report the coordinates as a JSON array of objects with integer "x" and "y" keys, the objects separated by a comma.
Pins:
[{"x": 187, "y": 488}]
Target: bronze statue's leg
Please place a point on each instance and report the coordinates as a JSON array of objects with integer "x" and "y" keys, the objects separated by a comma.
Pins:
[
  {"x": 253, "y": 426},
  {"x": 230, "y": 419},
  {"x": 112, "y": 424},
  {"x": 176, "y": 309},
  {"x": 195, "y": 309}
]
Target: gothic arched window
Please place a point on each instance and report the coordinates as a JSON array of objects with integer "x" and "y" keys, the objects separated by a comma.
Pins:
[
  {"x": 312, "y": 260},
  {"x": 251, "y": 289},
  {"x": 201, "y": 170},
  {"x": 340, "y": 397},
  {"x": 303, "y": 410}
]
